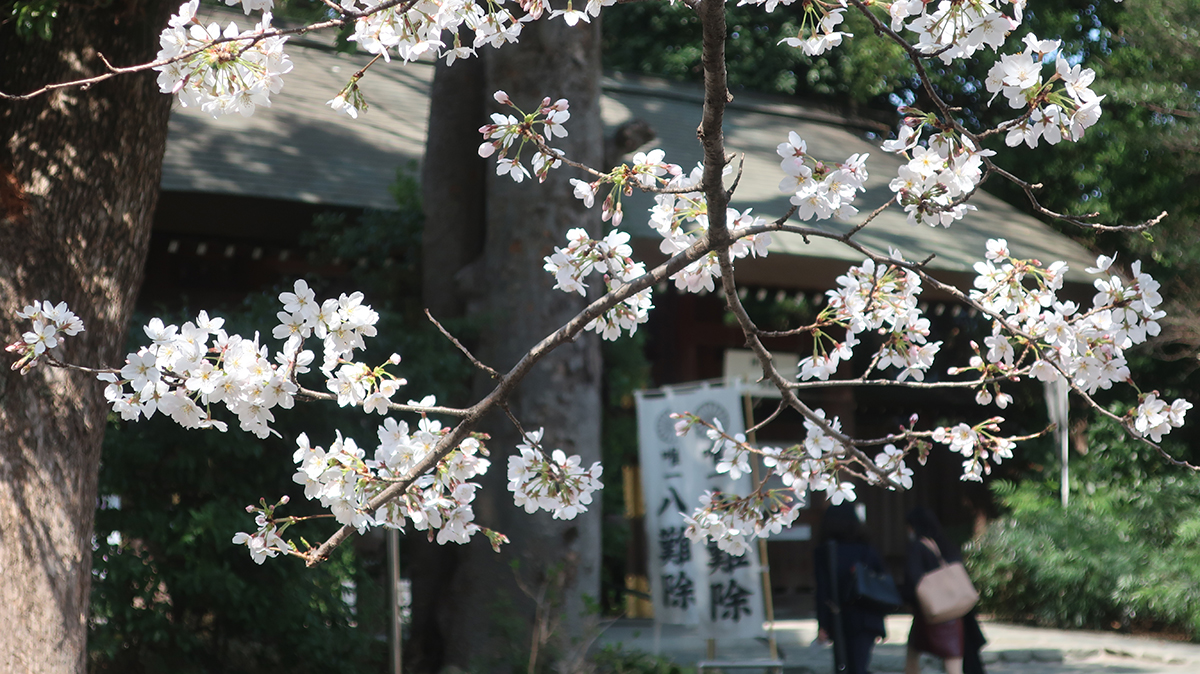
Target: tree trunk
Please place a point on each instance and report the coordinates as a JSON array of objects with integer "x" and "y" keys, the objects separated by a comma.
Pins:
[
  {"x": 79, "y": 176},
  {"x": 484, "y": 615},
  {"x": 452, "y": 184}
]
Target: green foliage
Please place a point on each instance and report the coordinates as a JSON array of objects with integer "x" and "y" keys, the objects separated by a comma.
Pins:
[
  {"x": 170, "y": 591},
  {"x": 1125, "y": 552},
  {"x": 664, "y": 40},
  {"x": 31, "y": 18},
  {"x": 617, "y": 660}
]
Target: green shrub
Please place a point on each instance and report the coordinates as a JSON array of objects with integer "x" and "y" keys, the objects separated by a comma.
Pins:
[
  {"x": 1125, "y": 552},
  {"x": 617, "y": 660}
]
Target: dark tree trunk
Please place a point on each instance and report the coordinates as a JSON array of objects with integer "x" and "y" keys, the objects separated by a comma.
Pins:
[
  {"x": 484, "y": 616},
  {"x": 79, "y": 176},
  {"x": 452, "y": 196},
  {"x": 452, "y": 185}
]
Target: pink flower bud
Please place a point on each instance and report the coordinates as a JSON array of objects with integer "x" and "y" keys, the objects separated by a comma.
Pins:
[{"x": 502, "y": 98}]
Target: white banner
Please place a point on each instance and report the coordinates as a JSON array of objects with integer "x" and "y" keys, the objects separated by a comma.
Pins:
[{"x": 691, "y": 583}]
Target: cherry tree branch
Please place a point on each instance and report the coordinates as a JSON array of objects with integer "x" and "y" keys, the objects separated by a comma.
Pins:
[
  {"x": 346, "y": 16},
  {"x": 508, "y": 382}
]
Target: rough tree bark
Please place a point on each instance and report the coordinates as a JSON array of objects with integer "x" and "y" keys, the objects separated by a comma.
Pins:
[
  {"x": 79, "y": 176},
  {"x": 508, "y": 293}
]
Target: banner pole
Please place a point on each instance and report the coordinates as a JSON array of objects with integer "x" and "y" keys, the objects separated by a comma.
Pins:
[{"x": 763, "y": 560}]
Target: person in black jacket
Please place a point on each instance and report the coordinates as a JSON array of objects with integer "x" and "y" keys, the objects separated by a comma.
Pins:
[
  {"x": 945, "y": 640},
  {"x": 853, "y": 629}
]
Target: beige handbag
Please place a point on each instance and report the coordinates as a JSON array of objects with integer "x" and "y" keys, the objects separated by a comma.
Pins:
[{"x": 946, "y": 592}]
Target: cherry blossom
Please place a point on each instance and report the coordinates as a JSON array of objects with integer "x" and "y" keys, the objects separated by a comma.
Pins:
[
  {"x": 1155, "y": 418},
  {"x": 51, "y": 324},
  {"x": 609, "y": 257},
  {"x": 956, "y": 29},
  {"x": 1055, "y": 112},
  {"x": 819, "y": 29},
  {"x": 189, "y": 372},
  {"x": 938, "y": 176},
  {"x": 222, "y": 71},
  {"x": 507, "y": 130},
  {"x": 556, "y": 483},
  {"x": 820, "y": 190}
]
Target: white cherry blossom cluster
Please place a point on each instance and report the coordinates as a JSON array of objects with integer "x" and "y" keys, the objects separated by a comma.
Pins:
[
  {"x": 438, "y": 501},
  {"x": 1154, "y": 418},
  {"x": 344, "y": 481},
  {"x": 937, "y": 177},
  {"x": 733, "y": 522},
  {"x": 1055, "y": 112},
  {"x": 222, "y": 71},
  {"x": 1089, "y": 347},
  {"x": 1060, "y": 339},
  {"x": 800, "y": 471},
  {"x": 418, "y": 29},
  {"x": 733, "y": 452},
  {"x": 341, "y": 324},
  {"x": 51, "y": 324},
  {"x": 350, "y": 100},
  {"x": 809, "y": 465},
  {"x": 682, "y": 220},
  {"x": 187, "y": 369},
  {"x": 571, "y": 15},
  {"x": 181, "y": 374},
  {"x": 649, "y": 170},
  {"x": 881, "y": 298},
  {"x": 977, "y": 444},
  {"x": 954, "y": 29},
  {"x": 891, "y": 462},
  {"x": 817, "y": 470},
  {"x": 817, "y": 33},
  {"x": 820, "y": 190},
  {"x": 609, "y": 257},
  {"x": 253, "y": 5},
  {"x": 507, "y": 130},
  {"x": 266, "y": 541},
  {"x": 556, "y": 483}
]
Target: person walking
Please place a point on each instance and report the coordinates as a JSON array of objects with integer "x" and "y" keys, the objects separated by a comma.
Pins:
[
  {"x": 852, "y": 628},
  {"x": 928, "y": 549}
]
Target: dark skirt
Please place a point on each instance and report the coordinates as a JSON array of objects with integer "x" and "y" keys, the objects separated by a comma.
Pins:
[{"x": 945, "y": 640}]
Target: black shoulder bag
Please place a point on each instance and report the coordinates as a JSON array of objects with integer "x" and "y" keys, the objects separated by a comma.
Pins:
[{"x": 874, "y": 590}]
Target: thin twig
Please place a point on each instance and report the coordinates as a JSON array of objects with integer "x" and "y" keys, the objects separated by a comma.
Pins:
[
  {"x": 474, "y": 361},
  {"x": 363, "y": 70},
  {"x": 54, "y": 362},
  {"x": 771, "y": 417},
  {"x": 513, "y": 418},
  {"x": 736, "y": 179},
  {"x": 310, "y": 394}
]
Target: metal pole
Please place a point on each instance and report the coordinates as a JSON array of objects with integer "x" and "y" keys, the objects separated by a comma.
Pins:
[
  {"x": 1063, "y": 440},
  {"x": 393, "y": 546},
  {"x": 1059, "y": 409}
]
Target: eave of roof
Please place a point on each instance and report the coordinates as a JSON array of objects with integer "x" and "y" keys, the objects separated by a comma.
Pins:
[{"x": 300, "y": 150}]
